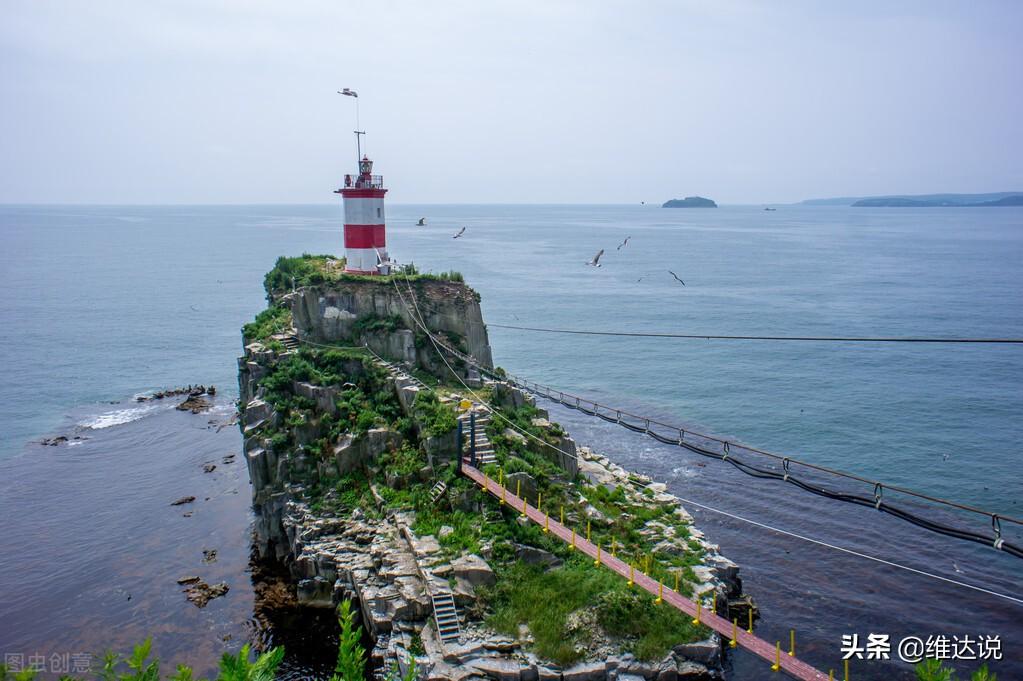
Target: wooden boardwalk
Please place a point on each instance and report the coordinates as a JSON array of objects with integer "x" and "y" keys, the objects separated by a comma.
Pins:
[{"x": 769, "y": 652}]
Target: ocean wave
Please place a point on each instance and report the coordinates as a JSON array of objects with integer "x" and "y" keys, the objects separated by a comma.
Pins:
[{"x": 117, "y": 417}]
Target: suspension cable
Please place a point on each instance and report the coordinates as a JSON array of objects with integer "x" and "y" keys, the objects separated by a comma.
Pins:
[
  {"x": 815, "y": 339},
  {"x": 690, "y": 502},
  {"x": 421, "y": 323}
]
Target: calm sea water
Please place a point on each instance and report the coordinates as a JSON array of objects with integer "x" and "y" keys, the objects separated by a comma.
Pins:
[{"x": 98, "y": 304}]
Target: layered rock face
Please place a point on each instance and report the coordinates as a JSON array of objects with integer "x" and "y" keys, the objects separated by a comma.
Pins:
[{"x": 345, "y": 312}]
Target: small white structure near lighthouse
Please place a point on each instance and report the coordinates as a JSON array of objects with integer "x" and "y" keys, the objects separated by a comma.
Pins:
[{"x": 365, "y": 223}]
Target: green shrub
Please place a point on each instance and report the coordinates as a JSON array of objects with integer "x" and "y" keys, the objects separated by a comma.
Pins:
[
  {"x": 273, "y": 319},
  {"x": 935, "y": 670}
]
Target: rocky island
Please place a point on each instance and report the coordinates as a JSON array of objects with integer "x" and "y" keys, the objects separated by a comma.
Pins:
[
  {"x": 353, "y": 420},
  {"x": 689, "y": 202}
]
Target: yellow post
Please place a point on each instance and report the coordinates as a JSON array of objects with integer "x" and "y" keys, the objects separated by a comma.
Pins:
[
  {"x": 587, "y": 530},
  {"x": 503, "y": 491},
  {"x": 486, "y": 483},
  {"x": 676, "y": 582},
  {"x": 660, "y": 593},
  {"x": 501, "y": 476},
  {"x": 792, "y": 643},
  {"x": 847, "y": 670},
  {"x": 697, "y": 620},
  {"x": 523, "y": 508},
  {"x": 777, "y": 657},
  {"x": 573, "y": 540},
  {"x": 597, "y": 561},
  {"x": 631, "y": 580},
  {"x": 612, "y": 547},
  {"x": 562, "y": 515},
  {"x": 831, "y": 675},
  {"x": 750, "y": 630},
  {"x": 539, "y": 500},
  {"x": 735, "y": 630},
  {"x": 546, "y": 523},
  {"x": 518, "y": 488}
]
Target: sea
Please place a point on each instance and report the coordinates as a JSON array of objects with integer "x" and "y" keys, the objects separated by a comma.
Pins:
[{"x": 102, "y": 304}]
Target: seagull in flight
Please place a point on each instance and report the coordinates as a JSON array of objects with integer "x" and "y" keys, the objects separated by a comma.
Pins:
[
  {"x": 596, "y": 259},
  {"x": 676, "y": 277},
  {"x": 460, "y": 233},
  {"x": 624, "y": 242}
]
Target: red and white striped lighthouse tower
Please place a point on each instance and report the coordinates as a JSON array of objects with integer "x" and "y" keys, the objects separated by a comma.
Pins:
[{"x": 365, "y": 231}]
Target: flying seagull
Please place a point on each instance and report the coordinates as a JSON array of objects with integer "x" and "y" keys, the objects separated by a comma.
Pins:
[
  {"x": 676, "y": 277},
  {"x": 348, "y": 93},
  {"x": 421, "y": 223},
  {"x": 596, "y": 259},
  {"x": 460, "y": 233},
  {"x": 624, "y": 242}
]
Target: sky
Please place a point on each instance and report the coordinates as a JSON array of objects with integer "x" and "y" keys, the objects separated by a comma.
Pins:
[{"x": 549, "y": 101}]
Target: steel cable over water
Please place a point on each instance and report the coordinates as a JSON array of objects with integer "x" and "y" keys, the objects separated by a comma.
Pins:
[
  {"x": 812, "y": 339},
  {"x": 994, "y": 540}
]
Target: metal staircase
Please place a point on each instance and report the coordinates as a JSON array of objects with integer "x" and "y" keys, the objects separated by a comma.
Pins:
[
  {"x": 484, "y": 448},
  {"x": 446, "y": 616}
]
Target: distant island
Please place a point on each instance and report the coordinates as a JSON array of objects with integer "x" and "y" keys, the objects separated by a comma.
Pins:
[
  {"x": 690, "y": 202},
  {"x": 995, "y": 199}
]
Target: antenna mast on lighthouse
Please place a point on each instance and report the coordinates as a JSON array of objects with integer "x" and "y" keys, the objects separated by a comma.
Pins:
[{"x": 358, "y": 133}]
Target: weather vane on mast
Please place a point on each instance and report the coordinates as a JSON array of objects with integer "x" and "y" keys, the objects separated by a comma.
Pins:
[{"x": 358, "y": 139}]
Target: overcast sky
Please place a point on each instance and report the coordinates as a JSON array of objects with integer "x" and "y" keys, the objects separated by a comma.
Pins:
[{"x": 194, "y": 101}]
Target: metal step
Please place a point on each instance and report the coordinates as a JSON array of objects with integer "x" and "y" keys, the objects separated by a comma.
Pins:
[{"x": 438, "y": 491}]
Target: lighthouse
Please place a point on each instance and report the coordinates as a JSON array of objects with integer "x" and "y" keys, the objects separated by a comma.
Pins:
[{"x": 365, "y": 232}]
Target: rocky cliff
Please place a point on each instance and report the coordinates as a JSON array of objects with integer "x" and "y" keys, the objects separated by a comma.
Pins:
[
  {"x": 387, "y": 316},
  {"x": 356, "y": 492}
]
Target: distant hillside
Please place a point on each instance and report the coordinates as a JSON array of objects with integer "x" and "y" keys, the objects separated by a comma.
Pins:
[
  {"x": 923, "y": 200},
  {"x": 689, "y": 202}
]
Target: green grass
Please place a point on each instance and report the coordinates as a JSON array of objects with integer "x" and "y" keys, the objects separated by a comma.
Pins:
[
  {"x": 311, "y": 270},
  {"x": 268, "y": 322},
  {"x": 544, "y": 602}
]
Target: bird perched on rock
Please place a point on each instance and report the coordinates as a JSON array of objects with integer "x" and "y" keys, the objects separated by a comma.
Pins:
[
  {"x": 676, "y": 277},
  {"x": 596, "y": 259},
  {"x": 460, "y": 233}
]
